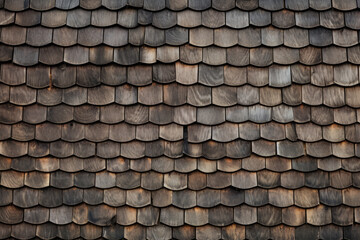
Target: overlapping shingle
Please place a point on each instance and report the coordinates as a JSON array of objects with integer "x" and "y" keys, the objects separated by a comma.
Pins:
[{"x": 175, "y": 119}]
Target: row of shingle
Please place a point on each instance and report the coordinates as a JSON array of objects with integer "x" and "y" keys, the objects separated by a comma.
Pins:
[
  {"x": 183, "y": 165},
  {"x": 195, "y": 180},
  {"x": 211, "y": 56},
  {"x": 65, "y": 76},
  {"x": 160, "y": 231},
  {"x": 131, "y": 18},
  {"x": 101, "y": 215},
  {"x": 199, "y": 5},
  {"x": 196, "y": 133},
  {"x": 183, "y": 115},
  {"x": 210, "y": 149},
  {"x": 175, "y": 95},
  {"x": 200, "y": 36}
]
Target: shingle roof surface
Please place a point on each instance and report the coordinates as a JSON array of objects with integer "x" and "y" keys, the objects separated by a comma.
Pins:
[{"x": 186, "y": 119}]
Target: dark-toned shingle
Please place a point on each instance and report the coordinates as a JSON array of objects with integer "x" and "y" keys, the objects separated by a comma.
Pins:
[
  {"x": 26, "y": 56},
  {"x": 221, "y": 216},
  {"x": 237, "y": 56},
  {"x": 101, "y": 55},
  {"x": 237, "y": 114},
  {"x": 148, "y": 216},
  {"x": 317, "y": 179},
  {"x": 331, "y": 231},
  {"x": 67, "y": 4},
  {"x": 304, "y": 164},
  {"x": 69, "y": 231},
  {"x": 164, "y": 73},
  {"x": 319, "y": 149},
  {"x": 51, "y": 55},
  {"x": 23, "y": 231},
  {"x": 93, "y": 196},
  {"x": 113, "y": 231},
  {"x": 25, "y": 197},
  {"x": 28, "y": 18},
  {"x": 90, "y": 231},
  {"x": 310, "y": 55},
  {"x": 177, "y": 36},
  {"x": 199, "y": 5},
  {"x": 153, "y": 36},
  {"x": 319, "y": 115},
  {"x": 6, "y": 53},
  {"x": 297, "y": 5},
  {"x": 320, "y": 37},
  {"x": 184, "y": 199},
  {"x": 260, "y": 17},
  {"x": 334, "y": 55},
  {"x": 12, "y": 148},
  {"x": 22, "y": 95},
  {"x": 41, "y": 6},
  {"x": 293, "y": 216},
  {"x": 50, "y": 197},
  {"x": 261, "y": 57},
  {"x": 331, "y": 196},
  {"x": 269, "y": 215},
  {"x": 329, "y": 164},
  {"x": 352, "y": 19},
  {"x": 282, "y": 231},
  {"x": 65, "y": 36},
  {"x": 164, "y": 19},
  {"x": 17, "y": 5},
  {"x": 232, "y": 197},
  {"x": 127, "y": 55},
  {"x": 37, "y": 215},
  {"x": 11, "y": 215}
]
